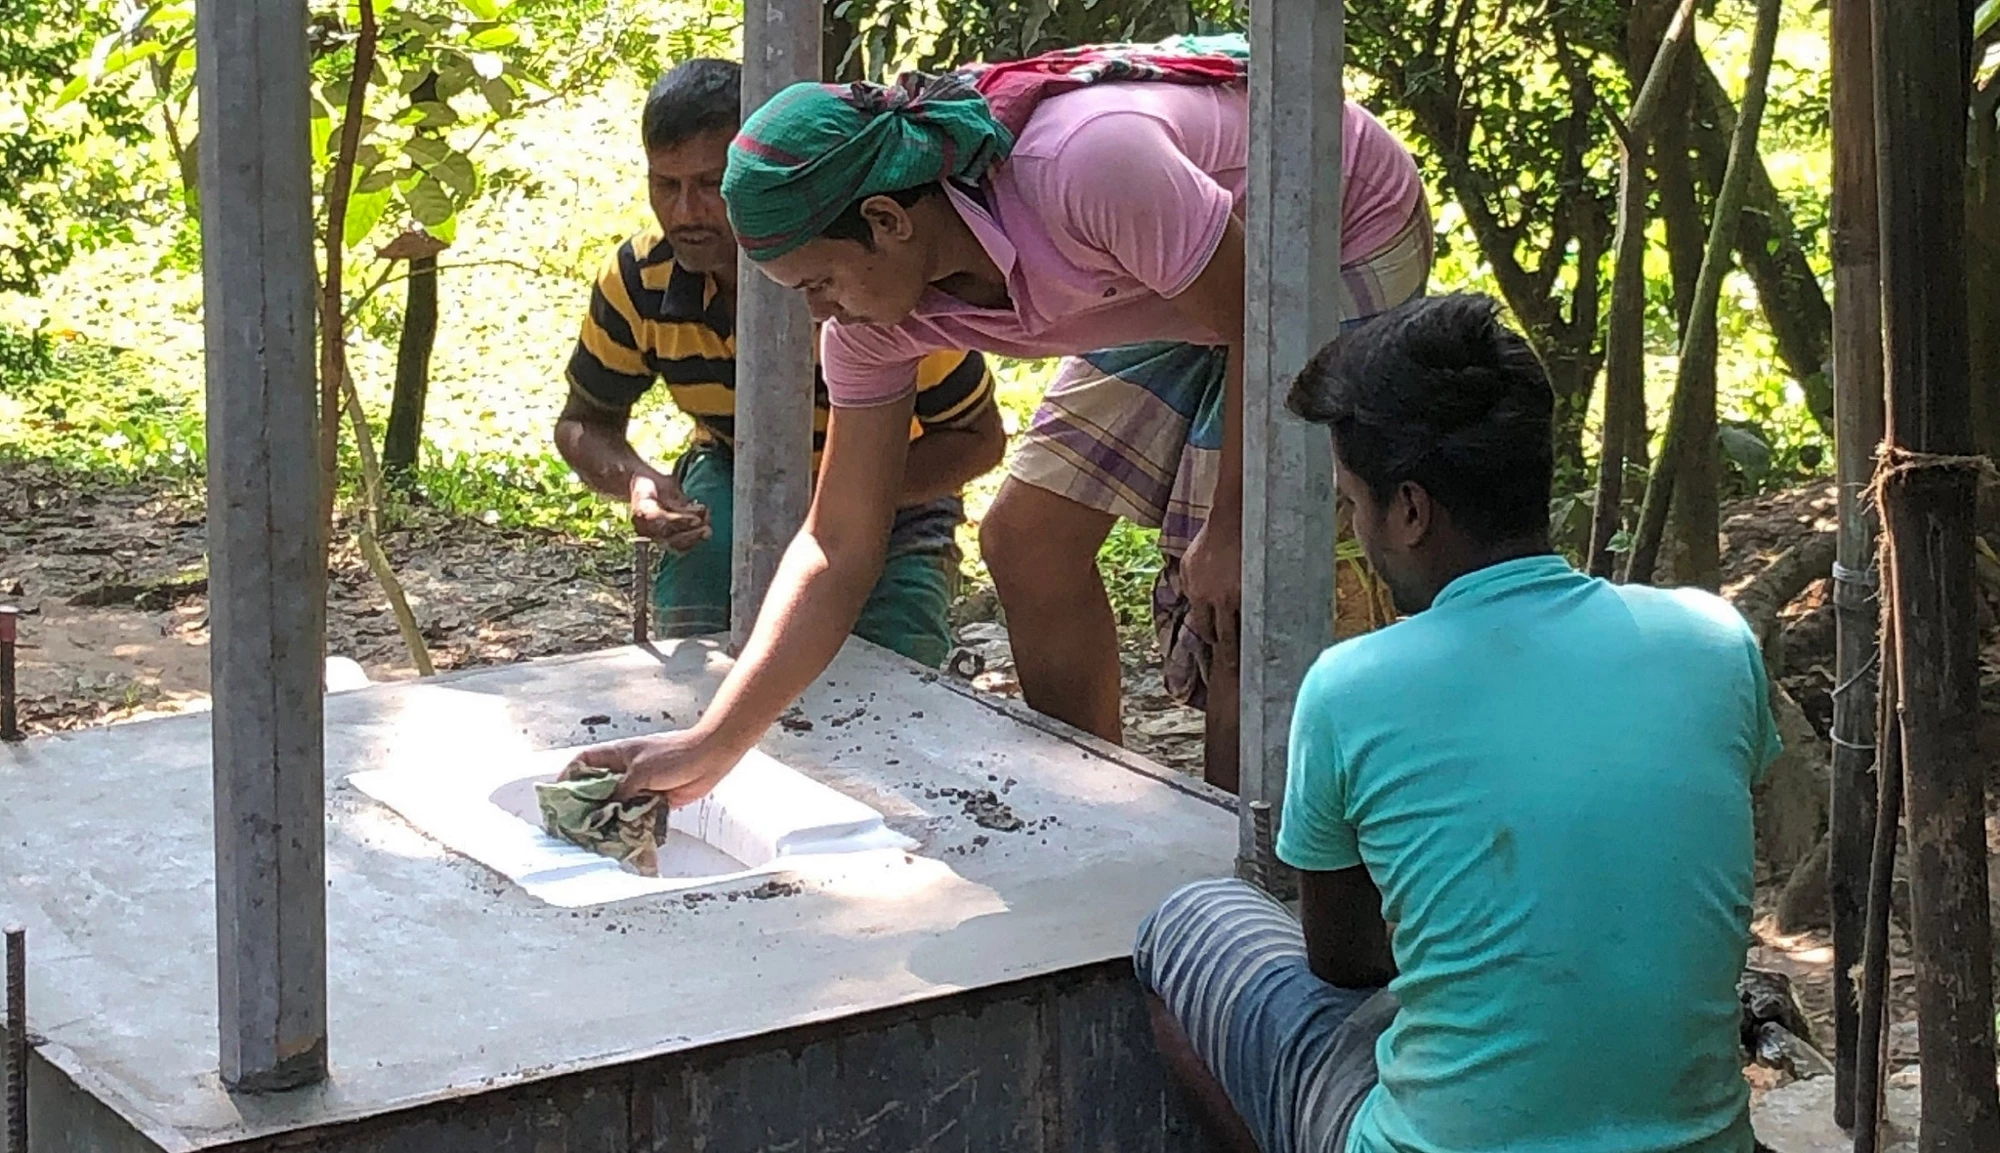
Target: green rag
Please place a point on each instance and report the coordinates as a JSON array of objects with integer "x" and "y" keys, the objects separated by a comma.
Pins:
[
  {"x": 580, "y": 809},
  {"x": 814, "y": 149}
]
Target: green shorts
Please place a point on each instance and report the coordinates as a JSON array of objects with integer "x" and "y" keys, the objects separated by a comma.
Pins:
[{"x": 909, "y": 611}]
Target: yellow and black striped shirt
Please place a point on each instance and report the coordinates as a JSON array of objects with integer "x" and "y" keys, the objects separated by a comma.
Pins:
[{"x": 652, "y": 320}]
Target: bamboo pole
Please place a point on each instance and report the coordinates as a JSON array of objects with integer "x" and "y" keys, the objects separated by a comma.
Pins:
[
  {"x": 1857, "y": 404},
  {"x": 1929, "y": 483}
]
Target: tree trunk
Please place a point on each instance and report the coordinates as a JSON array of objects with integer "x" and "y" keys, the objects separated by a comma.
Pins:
[
  {"x": 1673, "y": 176},
  {"x": 404, "y": 434},
  {"x": 1680, "y": 207},
  {"x": 1930, "y": 494},
  {"x": 1690, "y": 447},
  {"x": 1573, "y": 375},
  {"x": 1857, "y": 406},
  {"x": 1697, "y": 507},
  {"x": 1768, "y": 244},
  {"x": 1624, "y": 356},
  {"x": 837, "y": 38},
  {"x": 1982, "y": 252},
  {"x": 1625, "y": 339}
]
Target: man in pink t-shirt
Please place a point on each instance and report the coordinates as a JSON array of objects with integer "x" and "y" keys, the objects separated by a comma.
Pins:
[{"x": 1103, "y": 225}]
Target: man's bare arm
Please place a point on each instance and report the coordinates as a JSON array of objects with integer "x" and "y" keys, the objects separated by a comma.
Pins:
[
  {"x": 592, "y": 438},
  {"x": 1347, "y": 941},
  {"x": 1212, "y": 567},
  {"x": 823, "y": 581},
  {"x": 945, "y": 459}
]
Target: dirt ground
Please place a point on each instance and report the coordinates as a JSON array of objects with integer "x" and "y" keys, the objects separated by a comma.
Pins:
[
  {"x": 112, "y": 582},
  {"x": 113, "y": 586}
]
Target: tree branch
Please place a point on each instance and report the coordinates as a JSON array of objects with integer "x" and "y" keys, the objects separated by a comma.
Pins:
[
  {"x": 369, "y": 533},
  {"x": 1646, "y": 107},
  {"x": 1699, "y": 347},
  {"x": 1788, "y": 291},
  {"x": 390, "y": 277},
  {"x": 1625, "y": 337},
  {"x": 333, "y": 329}
]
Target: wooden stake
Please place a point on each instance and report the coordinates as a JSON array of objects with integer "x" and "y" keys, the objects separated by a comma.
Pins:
[
  {"x": 1857, "y": 404},
  {"x": 1930, "y": 487}
]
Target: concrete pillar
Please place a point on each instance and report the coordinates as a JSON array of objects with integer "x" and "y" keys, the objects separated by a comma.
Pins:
[
  {"x": 267, "y": 583},
  {"x": 774, "y": 344},
  {"x": 1293, "y": 280}
]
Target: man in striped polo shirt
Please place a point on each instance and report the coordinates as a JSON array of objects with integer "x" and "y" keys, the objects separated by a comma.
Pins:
[{"x": 664, "y": 311}]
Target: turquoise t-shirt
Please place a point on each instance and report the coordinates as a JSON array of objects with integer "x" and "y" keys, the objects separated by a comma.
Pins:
[{"x": 1548, "y": 776}]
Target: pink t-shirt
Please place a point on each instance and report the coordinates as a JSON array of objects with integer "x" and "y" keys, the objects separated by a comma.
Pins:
[{"x": 1111, "y": 205}]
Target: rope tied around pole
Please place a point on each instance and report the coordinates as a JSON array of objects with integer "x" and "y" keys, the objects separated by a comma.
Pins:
[
  {"x": 1854, "y": 588},
  {"x": 1895, "y": 463}
]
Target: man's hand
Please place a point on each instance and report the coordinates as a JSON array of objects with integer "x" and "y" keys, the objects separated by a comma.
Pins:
[
  {"x": 683, "y": 767},
  {"x": 661, "y": 512},
  {"x": 1212, "y": 577}
]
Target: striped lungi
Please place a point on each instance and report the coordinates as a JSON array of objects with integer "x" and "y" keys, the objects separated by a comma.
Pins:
[
  {"x": 1295, "y": 1054},
  {"x": 1136, "y": 431}
]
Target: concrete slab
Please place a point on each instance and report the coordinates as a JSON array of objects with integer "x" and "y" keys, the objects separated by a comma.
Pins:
[{"x": 447, "y": 983}]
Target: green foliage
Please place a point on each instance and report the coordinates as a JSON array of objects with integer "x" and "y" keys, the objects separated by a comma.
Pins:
[
  {"x": 1505, "y": 106},
  {"x": 533, "y": 490},
  {"x": 1130, "y": 561},
  {"x": 25, "y": 355},
  {"x": 55, "y": 407},
  {"x": 540, "y": 186},
  {"x": 54, "y": 195},
  {"x": 446, "y": 74},
  {"x": 882, "y": 37}
]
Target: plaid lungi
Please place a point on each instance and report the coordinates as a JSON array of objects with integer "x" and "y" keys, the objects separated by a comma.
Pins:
[{"x": 1136, "y": 431}]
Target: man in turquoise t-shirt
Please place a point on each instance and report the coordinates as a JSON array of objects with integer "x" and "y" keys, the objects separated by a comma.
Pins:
[{"x": 1521, "y": 817}]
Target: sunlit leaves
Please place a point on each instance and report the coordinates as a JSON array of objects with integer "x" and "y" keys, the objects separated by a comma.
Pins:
[
  {"x": 365, "y": 210},
  {"x": 446, "y": 71},
  {"x": 428, "y": 200},
  {"x": 495, "y": 37},
  {"x": 499, "y": 96}
]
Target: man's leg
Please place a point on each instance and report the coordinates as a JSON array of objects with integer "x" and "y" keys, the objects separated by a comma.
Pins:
[
  {"x": 910, "y": 610},
  {"x": 1042, "y": 551},
  {"x": 691, "y": 589},
  {"x": 1293, "y": 1056}
]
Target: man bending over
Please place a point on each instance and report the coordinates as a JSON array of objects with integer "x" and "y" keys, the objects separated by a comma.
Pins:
[
  {"x": 1521, "y": 817},
  {"x": 665, "y": 309}
]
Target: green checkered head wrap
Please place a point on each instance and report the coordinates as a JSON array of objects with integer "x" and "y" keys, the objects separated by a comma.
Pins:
[{"x": 814, "y": 149}]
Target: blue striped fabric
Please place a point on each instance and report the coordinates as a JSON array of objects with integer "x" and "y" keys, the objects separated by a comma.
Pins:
[{"x": 1296, "y": 1055}]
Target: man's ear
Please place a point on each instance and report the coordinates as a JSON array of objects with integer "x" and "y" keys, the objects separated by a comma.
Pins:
[
  {"x": 887, "y": 220},
  {"x": 1414, "y": 515}
]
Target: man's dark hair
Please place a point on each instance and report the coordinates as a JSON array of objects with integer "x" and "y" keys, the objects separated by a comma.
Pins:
[
  {"x": 1440, "y": 392},
  {"x": 696, "y": 98},
  {"x": 851, "y": 225}
]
